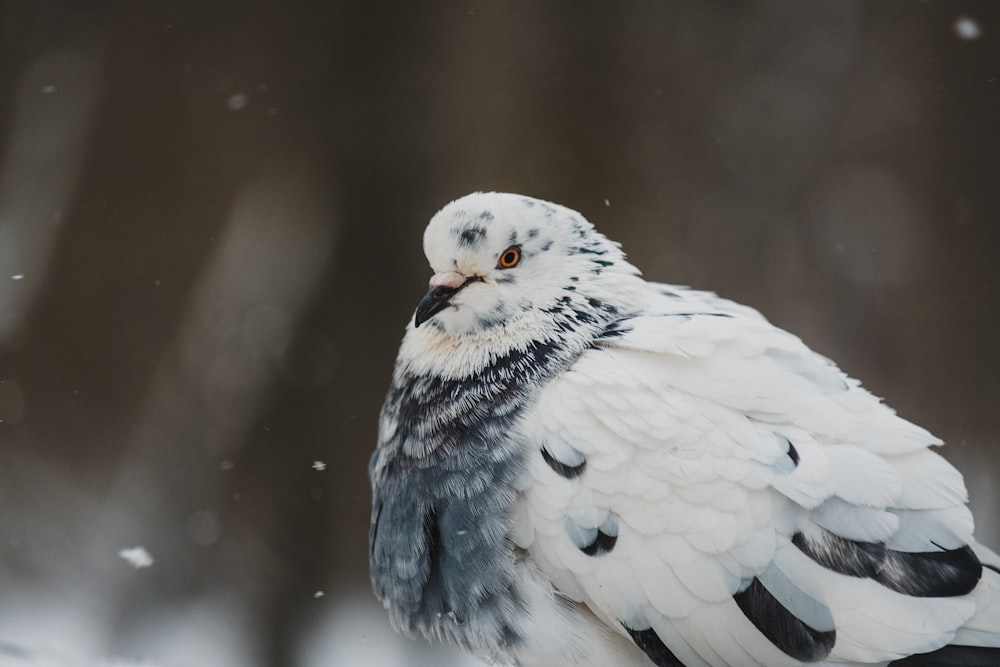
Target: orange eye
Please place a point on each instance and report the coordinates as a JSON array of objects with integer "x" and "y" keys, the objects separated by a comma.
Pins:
[{"x": 509, "y": 258}]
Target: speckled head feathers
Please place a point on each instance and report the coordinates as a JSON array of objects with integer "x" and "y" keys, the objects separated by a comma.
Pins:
[{"x": 516, "y": 259}]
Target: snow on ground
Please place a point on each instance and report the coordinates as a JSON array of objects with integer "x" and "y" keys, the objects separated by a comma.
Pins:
[
  {"x": 66, "y": 626},
  {"x": 52, "y": 627},
  {"x": 356, "y": 632}
]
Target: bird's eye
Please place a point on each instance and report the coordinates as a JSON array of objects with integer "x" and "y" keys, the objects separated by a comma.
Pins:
[{"x": 509, "y": 258}]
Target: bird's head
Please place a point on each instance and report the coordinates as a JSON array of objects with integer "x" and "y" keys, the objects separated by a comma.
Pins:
[{"x": 511, "y": 267}]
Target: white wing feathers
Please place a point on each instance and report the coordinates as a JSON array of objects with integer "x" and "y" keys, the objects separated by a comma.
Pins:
[{"x": 702, "y": 464}]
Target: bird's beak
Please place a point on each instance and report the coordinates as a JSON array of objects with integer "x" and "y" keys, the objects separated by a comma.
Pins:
[{"x": 443, "y": 286}]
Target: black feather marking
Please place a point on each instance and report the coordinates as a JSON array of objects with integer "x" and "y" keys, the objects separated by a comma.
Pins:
[
  {"x": 616, "y": 329},
  {"x": 855, "y": 559},
  {"x": 602, "y": 544},
  {"x": 953, "y": 656},
  {"x": 781, "y": 627},
  {"x": 793, "y": 453},
  {"x": 992, "y": 567},
  {"x": 432, "y": 537},
  {"x": 472, "y": 235},
  {"x": 494, "y": 319},
  {"x": 653, "y": 647},
  {"x": 567, "y": 471},
  {"x": 926, "y": 574},
  {"x": 593, "y": 540},
  {"x": 437, "y": 598},
  {"x": 373, "y": 534},
  {"x": 943, "y": 573}
]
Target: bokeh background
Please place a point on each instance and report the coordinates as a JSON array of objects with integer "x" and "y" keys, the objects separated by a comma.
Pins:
[{"x": 210, "y": 224}]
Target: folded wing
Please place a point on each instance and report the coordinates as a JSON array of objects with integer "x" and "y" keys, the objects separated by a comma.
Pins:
[{"x": 721, "y": 495}]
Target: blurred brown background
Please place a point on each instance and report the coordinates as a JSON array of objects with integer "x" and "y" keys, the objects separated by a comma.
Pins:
[{"x": 210, "y": 226}]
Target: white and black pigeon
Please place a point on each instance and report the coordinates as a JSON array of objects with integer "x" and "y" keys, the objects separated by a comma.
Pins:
[{"x": 579, "y": 467}]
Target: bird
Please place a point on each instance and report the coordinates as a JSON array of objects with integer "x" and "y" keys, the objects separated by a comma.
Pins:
[{"x": 577, "y": 466}]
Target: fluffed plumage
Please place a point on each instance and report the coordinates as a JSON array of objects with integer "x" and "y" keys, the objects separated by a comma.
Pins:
[{"x": 579, "y": 467}]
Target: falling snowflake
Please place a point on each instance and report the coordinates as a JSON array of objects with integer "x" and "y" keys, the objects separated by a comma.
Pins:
[
  {"x": 237, "y": 101},
  {"x": 967, "y": 28},
  {"x": 137, "y": 557},
  {"x": 318, "y": 465}
]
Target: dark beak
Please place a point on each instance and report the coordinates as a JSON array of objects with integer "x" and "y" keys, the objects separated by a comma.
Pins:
[
  {"x": 439, "y": 296},
  {"x": 434, "y": 302},
  {"x": 443, "y": 286}
]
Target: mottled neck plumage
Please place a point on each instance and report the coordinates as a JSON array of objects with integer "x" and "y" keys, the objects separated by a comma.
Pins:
[{"x": 443, "y": 481}]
